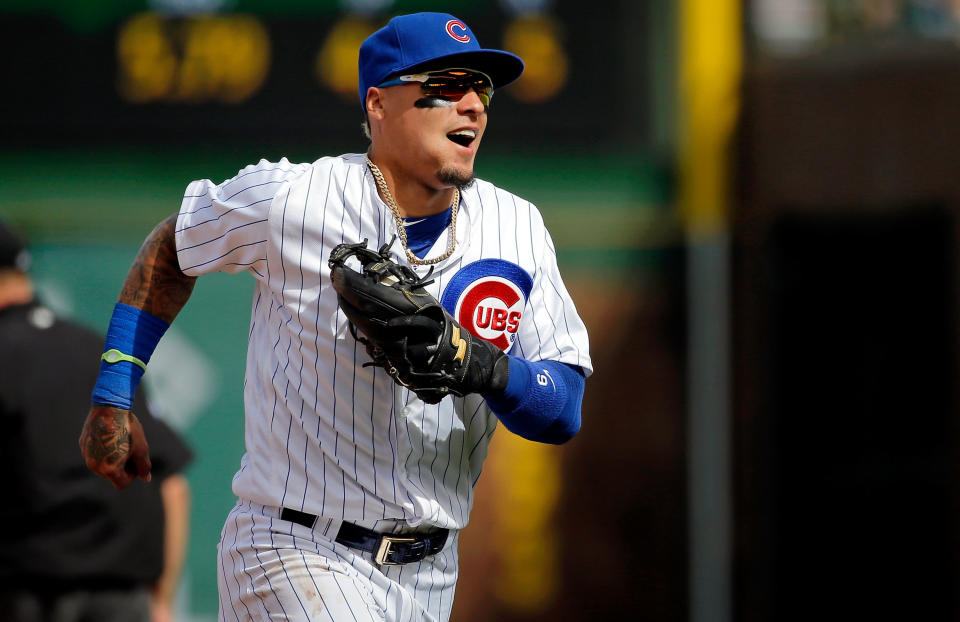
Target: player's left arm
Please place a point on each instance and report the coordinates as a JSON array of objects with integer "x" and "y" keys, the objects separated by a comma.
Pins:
[
  {"x": 542, "y": 400},
  {"x": 545, "y": 386}
]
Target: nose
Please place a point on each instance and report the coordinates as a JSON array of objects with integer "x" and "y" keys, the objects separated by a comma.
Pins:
[{"x": 470, "y": 103}]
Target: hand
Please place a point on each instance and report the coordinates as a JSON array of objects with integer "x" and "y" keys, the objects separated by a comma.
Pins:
[
  {"x": 406, "y": 330},
  {"x": 434, "y": 356},
  {"x": 114, "y": 445}
]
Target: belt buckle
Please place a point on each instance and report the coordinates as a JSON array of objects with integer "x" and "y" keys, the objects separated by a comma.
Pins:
[{"x": 385, "y": 548}]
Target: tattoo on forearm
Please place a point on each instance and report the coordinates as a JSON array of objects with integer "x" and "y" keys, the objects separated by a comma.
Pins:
[
  {"x": 108, "y": 439},
  {"x": 155, "y": 282}
]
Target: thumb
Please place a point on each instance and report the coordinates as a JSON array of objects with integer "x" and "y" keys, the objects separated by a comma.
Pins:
[
  {"x": 143, "y": 466},
  {"x": 139, "y": 450}
]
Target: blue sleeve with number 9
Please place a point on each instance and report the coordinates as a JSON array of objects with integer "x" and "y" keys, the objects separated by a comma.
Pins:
[{"x": 542, "y": 400}]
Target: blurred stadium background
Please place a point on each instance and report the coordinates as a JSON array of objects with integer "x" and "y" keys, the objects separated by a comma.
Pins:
[{"x": 755, "y": 207}]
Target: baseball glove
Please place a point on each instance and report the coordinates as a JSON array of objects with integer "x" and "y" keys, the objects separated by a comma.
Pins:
[{"x": 407, "y": 332}]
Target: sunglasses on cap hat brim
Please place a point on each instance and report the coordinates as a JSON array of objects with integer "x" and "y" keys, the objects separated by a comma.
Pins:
[{"x": 452, "y": 84}]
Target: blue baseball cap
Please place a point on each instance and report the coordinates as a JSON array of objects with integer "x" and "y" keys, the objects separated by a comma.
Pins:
[{"x": 423, "y": 41}]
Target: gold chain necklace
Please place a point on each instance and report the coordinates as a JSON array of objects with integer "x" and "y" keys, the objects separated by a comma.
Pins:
[{"x": 402, "y": 231}]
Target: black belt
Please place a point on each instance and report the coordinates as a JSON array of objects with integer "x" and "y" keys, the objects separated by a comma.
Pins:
[{"x": 387, "y": 549}]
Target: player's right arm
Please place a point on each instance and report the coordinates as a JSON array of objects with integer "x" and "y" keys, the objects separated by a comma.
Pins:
[
  {"x": 155, "y": 282},
  {"x": 220, "y": 228},
  {"x": 112, "y": 441}
]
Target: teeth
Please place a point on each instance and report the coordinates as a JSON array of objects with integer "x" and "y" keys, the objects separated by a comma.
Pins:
[{"x": 470, "y": 133}]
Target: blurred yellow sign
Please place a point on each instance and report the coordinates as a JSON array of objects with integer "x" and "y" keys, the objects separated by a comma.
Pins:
[
  {"x": 536, "y": 39},
  {"x": 336, "y": 65},
  {"x": 193, "y": 59}
]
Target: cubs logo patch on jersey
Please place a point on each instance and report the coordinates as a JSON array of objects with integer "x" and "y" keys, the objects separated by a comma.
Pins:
[{"x": 488, "y": 298}]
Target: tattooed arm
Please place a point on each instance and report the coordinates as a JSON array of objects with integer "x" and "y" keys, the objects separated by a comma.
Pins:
[
  {"x": 155, "y": 282},
  {"x": 112, "y": 441}
]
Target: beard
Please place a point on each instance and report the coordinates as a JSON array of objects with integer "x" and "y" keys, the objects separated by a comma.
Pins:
[{"x": 451, "y": 176}]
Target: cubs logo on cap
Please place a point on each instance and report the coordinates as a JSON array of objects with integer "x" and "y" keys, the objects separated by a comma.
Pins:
[
  {"x": 488, "y": 298},
  {"x": 461, "y": 33},
  {"x": 425, "y": 41}
]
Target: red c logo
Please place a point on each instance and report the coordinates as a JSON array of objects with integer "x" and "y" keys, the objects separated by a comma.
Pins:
[
  {"x": 487, "y": 311},
  {"x": 455, "y": 23}
]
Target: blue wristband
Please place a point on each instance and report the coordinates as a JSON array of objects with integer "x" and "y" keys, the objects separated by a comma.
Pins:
[
  {"x": 132, "y": 337},
  {"x": 542, "y": 400}
]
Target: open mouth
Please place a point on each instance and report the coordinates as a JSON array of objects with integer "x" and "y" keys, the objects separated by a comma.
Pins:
[{"x": 463, "y": 137}]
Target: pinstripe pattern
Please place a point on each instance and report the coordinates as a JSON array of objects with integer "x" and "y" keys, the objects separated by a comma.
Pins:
[
  {"x": 323, "y": 434},
  {"x": 271, "y": 569}
]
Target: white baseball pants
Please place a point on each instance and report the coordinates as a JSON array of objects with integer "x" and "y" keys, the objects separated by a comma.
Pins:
[{"x": 272, "y": 570}]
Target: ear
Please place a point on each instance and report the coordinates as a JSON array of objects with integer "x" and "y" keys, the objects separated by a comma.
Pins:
[{"x": 374, "y": 103}]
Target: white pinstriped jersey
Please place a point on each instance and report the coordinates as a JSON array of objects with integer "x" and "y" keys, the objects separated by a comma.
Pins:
[{"x": 323, "y": 434}]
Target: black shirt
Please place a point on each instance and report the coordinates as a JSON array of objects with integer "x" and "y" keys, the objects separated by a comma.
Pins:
[{"x": 59, "y": 522}]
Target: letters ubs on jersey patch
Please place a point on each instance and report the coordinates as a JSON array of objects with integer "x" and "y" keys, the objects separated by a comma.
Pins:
[{"x": 488, "y": 297}]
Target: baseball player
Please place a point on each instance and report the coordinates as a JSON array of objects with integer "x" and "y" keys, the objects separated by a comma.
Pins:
[{"x": 367, "y": 420}]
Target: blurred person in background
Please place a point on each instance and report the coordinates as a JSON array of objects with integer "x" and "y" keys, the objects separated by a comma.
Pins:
[{"x": 73, "y": 548}]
